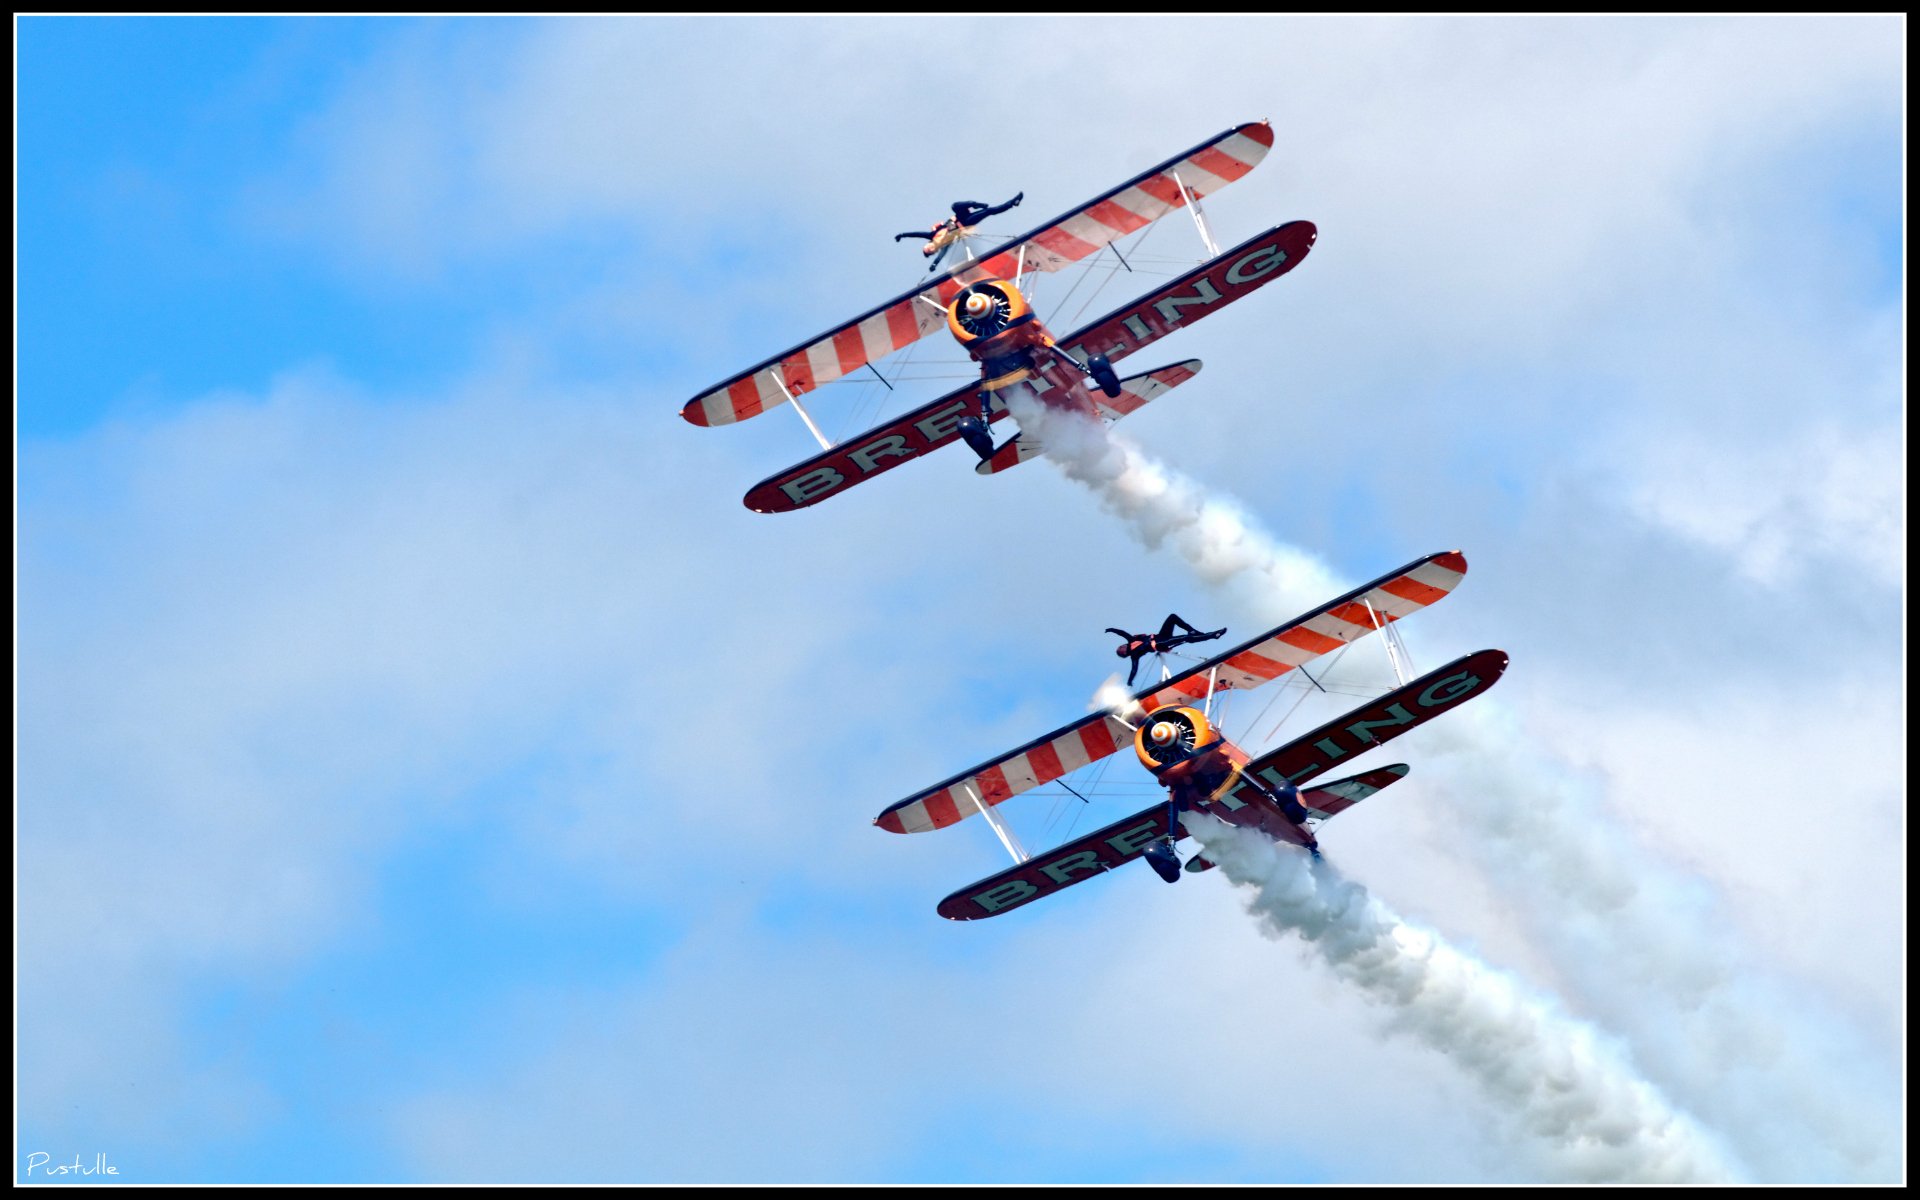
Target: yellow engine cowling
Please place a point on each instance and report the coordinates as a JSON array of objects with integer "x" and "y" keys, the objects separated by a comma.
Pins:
[
  {"x": 982, "y": 311},
  {"x": 1172, "y": 736}
]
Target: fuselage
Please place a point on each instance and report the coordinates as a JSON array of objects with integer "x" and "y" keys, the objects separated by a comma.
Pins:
[
  {"x": 1199, "y": 768},
  {"x": 992, "y": 320}
]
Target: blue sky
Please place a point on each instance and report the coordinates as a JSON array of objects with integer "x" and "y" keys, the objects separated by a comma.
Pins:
[{"x": 429, "y": 770}]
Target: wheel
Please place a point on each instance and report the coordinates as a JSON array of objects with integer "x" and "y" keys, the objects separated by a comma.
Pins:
[
  {"x": 1160, "y": 856},
  {"x": 973, "y": 431},
  {"x": 1103, "y": 374},
  {"x": 1287, "y": 796}
]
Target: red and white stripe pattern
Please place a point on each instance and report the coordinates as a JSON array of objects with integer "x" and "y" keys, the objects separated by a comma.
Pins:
[
  {"x": 1058, "y": 754},
  {"x": 1135, "y": 393},
  {"x": 1145, "y": 200},
  {"x": 1328, "y": 629},
  {"x": 906, "y": 319},
  {"x": 839, "y": 352},
  {"x": 1305, "y": 638}
]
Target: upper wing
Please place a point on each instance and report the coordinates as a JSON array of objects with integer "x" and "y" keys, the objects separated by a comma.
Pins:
[
  {"x": 1332, "y": 625},
  {"x": 1042, "y": 760},
  {"x": 1306, "y": 756},
  {"x": 1251, "y": 664},
  {"x": 906, "y": 318},
  {"x": 1173, "y": 305}
]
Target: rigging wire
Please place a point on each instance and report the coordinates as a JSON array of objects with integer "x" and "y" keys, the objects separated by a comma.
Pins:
[
  {"x": 1144, "y": 235},
  {"x": 1304, "y": 693}
]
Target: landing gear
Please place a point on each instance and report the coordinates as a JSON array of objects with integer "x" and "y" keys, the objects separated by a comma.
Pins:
[
  {"x": 1160, "y": 855},
  {"x": 973, "y": 431},
  {"x": 1287, "y": 796},
  {"x": 1102, "y": 373}
]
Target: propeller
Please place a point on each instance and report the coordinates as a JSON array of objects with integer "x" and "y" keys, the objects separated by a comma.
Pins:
[
  {"x": 1113, "y": 697},
  {"x": 1170, "y": 736}
]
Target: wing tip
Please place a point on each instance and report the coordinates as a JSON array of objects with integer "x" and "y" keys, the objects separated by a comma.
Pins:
[
  {"x": 1452, "y": 560},
  {"x": 763, "y": 499},
  {"x": 1259, "y": 131}
]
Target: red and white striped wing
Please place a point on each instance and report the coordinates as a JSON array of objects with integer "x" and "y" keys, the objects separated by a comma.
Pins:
[
  {"x": 1040, "y": 761},
  {"x": 1147, "y": 197},
  {"x": 1267, "y": 657},
  {"x": 893, "y": 326},
  {"x": 903, "y": 320},
  {"x": 1307, "y": 638}
]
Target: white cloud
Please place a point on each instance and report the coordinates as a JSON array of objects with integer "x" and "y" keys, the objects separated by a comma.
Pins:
[
  {"x": 1150, "y": 1019},
  {"x": 1823, "y": 499}
]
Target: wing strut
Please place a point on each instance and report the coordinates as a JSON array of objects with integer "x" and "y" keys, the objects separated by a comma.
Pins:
[
  {"x": 1390, "y": 638},
  {"x": 1005, "y": 834},
  {"x": 1199, "y": 218},
  {"x": 804, "y": 414}
]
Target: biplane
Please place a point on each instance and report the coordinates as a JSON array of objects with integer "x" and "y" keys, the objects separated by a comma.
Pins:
[
  {"x": 1172, "y": 730},
  {"x": 984, "y": 303}
]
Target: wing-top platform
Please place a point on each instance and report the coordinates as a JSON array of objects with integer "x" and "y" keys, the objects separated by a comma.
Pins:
[
  {"x": 1197, "y": 173},
  {"x": 1275, "y": 653}
]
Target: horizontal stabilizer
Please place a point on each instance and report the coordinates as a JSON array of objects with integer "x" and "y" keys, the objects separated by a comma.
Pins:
[{"x": 1135, "y": 394}]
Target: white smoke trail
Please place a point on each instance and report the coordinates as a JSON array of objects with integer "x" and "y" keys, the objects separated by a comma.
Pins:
[
  {"x": 1632, "y": 938},
  {"x": 1592, "y": 1118},
  {"x": 1795, "y": 1090},
  {"x": 1215, "y": 538}
]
